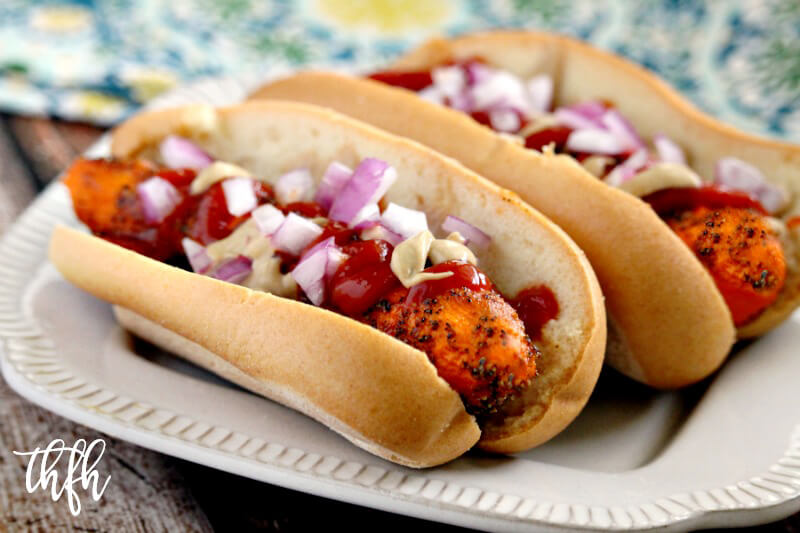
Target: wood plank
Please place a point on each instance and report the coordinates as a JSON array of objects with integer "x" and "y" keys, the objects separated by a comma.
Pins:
[
  {"x": 79, "y": 136},
  {"x": 41, "y": 145},
  {"x": 17, "y": 183},
  {"x": 146, "y": 491}
]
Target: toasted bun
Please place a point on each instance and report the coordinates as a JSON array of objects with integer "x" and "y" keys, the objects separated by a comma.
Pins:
[
  {"x": 360, "y": 382},
  {"x": 668, "y": 324}
]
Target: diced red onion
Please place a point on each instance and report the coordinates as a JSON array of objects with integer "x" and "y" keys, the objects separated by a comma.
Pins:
[
  {"x": 382, "y": 233},
  {"x": 500, "y": 90},
  {"x": 335, "y": 177},
  {"x": 158, "y": 198},
  {"x": 310, "y": 275},
  {"x": 738, "y": 175},
  {"x": 668, "y": 151},
  {"x": 318, "y": 264},
  {"x": 197, "y": 255},
  {"x": 594, "y": 142},
  {"x": 620, "y": 127},
  {"x": 330, "y": 241},
  {"x": 773, "y": 199},
  {"x": 335, "y": 259},
  {"x": 450, "y": 81},
  {"x": 234, "y": 270},
  {"x": 294, "y": 186},
  {"x": 268, "y": 218},
  {"x": 178, "y": 152},
  {"x": 623, "y": 172},
  {"x": 335, "y": 255},
  {"x": 574, "y": 120},
  {"x": 471, "y": 234},
  {"x": 477, "y": 72},
  {"x": 404, "y": 221},
  {"x": 368, "y": 215},
  {"x": 540, "y": 93},
  {"x": 240, "y": 195},
  {"x": 505, "y": 120},
  {"x": 295, "y": 234},
  {"x": 370, "y": 181},
  {"x": 591, "y": 109},
  {"x": 462, "y": 102}
]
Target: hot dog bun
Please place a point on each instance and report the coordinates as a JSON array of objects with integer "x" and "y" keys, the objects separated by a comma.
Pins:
[
  {"x": 376, "y": 391},
  {"x": 664, "y": 331},
  {"x": 668, "y": 324},
  {"x": 649, "y": 103}
]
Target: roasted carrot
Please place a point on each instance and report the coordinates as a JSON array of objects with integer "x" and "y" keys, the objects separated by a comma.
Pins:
[{"x": 742, "y": 253}]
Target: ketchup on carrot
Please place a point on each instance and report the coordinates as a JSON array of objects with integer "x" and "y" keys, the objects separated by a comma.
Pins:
[
  {"x": 464, "y": 275},
  {"x": 713, "y": 196}
]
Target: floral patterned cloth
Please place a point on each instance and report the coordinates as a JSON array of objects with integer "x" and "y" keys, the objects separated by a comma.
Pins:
[{"x": 98, "y": 60}]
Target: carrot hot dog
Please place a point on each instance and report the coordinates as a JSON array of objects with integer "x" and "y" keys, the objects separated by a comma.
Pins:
[
  {"x": 494, "y": 101},
  {"x": 360, "y": 278}
]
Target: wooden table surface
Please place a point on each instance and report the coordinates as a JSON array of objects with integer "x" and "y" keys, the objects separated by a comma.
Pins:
[{"x": 149, "y": 491}]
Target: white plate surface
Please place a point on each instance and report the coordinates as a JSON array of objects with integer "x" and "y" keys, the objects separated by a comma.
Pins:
[{"x": 723, "y": 453}]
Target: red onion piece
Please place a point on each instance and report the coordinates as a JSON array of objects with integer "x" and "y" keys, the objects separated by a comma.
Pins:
[
  {"x": 668, "y": 151},
  {"x": 178, "y": 152},
  {"x": 234, "y": 270},
  {"x": 240, "y": 195},
  {"x": 591, "y": 109},
  {"x": 449, "y": 81},
  {"x": 370, "y": 181},
  {"x": 335, "y": 177},
  {"x": 379, "y": 232},
  {"x": 268, "y": 218},
  {"x": 316, "y": 266},
  {"x": 294, "y": 186},
  {"x": 335, "y": 255},
  {"x": 500, "y": 90},
  {"x": 295, "y": 234},
  {"x": 505, "y": 120},
  {"x": 476, "y": 72},
  {"x": 594, "y": 142},
  {"x": 573, "y": 119},
  {"x": 462, "y": 102},
  {"x": 623, "y": 172},
  {"x": 335, "y": 259},
  {"x": 197, "y": 255},
  {"x": 403, "y": 221},
  {"x": 738, "y": 175},
  {"x": 158, "y": 198},
  {"x": 368, "y": 215},
  {"x": 622, "y": 129},
  {"x": 773, "y": 199},
  {"x": 310, "y": 275},
  {"x": 471, "y": 234},
  {"x": 540, "y": 93}
]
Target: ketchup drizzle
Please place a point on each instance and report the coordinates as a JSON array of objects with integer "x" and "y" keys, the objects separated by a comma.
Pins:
[{"x": 536, "y": 306}]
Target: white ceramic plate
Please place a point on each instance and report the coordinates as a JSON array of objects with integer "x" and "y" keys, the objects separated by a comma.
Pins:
[{"x": 723, "y": 453}]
